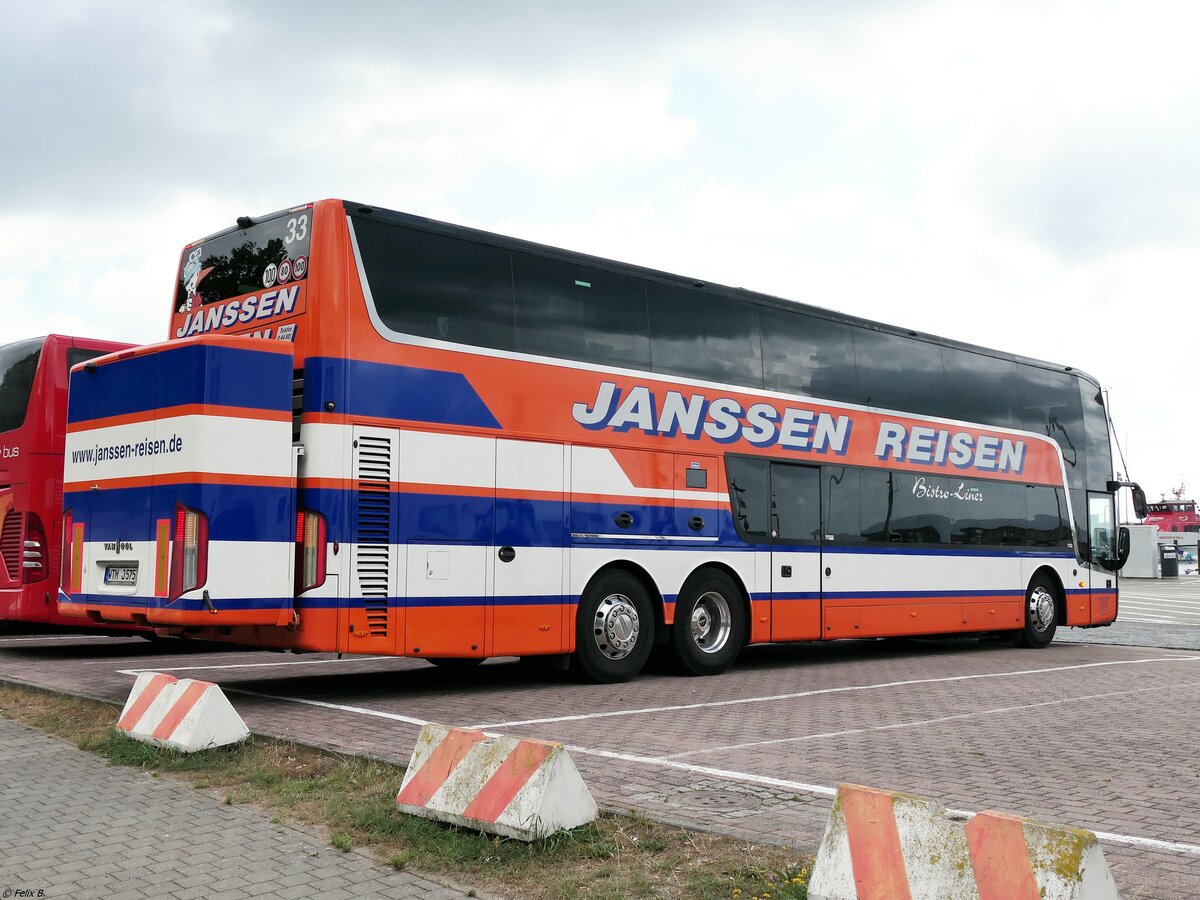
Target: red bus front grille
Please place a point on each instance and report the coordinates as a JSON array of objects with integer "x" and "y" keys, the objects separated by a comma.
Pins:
[{"x": 10, "y": 544}]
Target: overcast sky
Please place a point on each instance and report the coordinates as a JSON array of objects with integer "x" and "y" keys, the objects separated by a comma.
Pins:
[{"x": 1022, "y": 175}]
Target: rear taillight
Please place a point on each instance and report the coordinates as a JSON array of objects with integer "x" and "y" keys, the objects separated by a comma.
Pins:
[
  {"x": 310, "y": 550},
  {"x": 35, "y": 558},
  {"x": 189, "y": 551},
  {"x": 67, "y": 554}
]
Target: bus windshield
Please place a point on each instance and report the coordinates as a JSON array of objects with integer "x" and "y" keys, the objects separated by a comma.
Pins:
[
  {"x": 18, "y": 366},
  {"x": 270, "y": 252}
]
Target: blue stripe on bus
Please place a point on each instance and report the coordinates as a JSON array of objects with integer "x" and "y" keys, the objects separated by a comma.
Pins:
[
  {"x": 303, "y": 603},
  {"x": 235, "y": 512},
  {"x": 513, "y": 521},
  {"x": 178, "y": 376},
  {"x": 881, "y": 595},
  {"x": 385, "y": 391},
  {"x": 185, "y": 604},
  {"x": 952, "y": 550}
]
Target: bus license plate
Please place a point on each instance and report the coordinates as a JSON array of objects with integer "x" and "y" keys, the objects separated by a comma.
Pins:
[{"x": 120, "y": 574}]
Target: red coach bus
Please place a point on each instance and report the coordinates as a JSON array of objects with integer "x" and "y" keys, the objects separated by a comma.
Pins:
[
  {"x": 458, "y": 445},
  {"x": 33, "y": 419}
]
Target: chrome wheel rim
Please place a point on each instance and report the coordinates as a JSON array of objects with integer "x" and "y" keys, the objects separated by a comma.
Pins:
[
  {"x": 616, "y": 626},
  {"x": 1041, "y": 610},
  {"x": 711, "y": 623}
]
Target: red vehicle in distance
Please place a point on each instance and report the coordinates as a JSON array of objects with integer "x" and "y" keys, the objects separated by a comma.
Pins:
[
  {"x": 33, "y": 422},
  {"x": 1174, "y": 515}
]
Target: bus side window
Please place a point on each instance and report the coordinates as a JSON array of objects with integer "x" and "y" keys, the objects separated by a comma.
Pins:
[
  {"x": 796, "y": 502},
  {"x": 843, "y": 505},
  {"x": 749, "y": 487}
]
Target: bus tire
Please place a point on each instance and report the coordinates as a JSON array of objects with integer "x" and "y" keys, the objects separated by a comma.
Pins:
[
  {"x": 710, "y": 623},
  {"x": 1041, "y": 614},
  {"x": 614, "y": 628}
]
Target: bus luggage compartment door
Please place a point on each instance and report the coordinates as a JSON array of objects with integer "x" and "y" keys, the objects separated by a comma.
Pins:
[{"x": 179, "y": 474}]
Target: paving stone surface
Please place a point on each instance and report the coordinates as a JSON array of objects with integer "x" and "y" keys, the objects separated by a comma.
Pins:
[
  {"x": 1097, "y": 731},
  {"x": 72, "y": 826}
]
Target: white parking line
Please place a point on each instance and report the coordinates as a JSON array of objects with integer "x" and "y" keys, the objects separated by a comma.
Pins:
[
  {"x": 358, "y": 710},
  {"x": 1160, "y": 603},
  {"x": 914, "y": 724},
  {"x": 650, "y": 710},
  {"x": 264, "y": 665},
  {"x": 725, "y": 774}
]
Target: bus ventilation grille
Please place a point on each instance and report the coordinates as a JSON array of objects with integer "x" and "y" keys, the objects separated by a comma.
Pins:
[
  {"x": 297, "y": 402},
  {"x": 373, "y": 562},
  {"x": 10, "y": 544}
]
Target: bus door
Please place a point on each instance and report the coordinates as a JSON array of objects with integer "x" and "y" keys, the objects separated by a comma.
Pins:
[
  {"x": 795, "y": 532},
  {"x": 1102, "y": 587},
  {"x": 528, "y": 589},
  {"x": 446, "y": 512}
]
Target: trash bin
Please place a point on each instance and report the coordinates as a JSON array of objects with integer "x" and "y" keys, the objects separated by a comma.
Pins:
[{"x": 1168, "y": 555}]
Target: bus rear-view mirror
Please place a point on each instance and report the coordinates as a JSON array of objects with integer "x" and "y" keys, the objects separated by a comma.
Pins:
[
  {"x": 1123, "y": 546},
  {"x": 1139, "y": 502}
]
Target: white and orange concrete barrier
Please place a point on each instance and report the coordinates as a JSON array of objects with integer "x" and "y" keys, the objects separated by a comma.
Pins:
[
  {"x": 883, "y": 845},
  {"x": 520, "y": 788},
  {"x": 183, "y": 714}
]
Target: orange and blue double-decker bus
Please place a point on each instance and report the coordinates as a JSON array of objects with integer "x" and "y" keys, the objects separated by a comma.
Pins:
[
  {"x": 33, "y": 422},
  {"x": 455, "y": 445}
]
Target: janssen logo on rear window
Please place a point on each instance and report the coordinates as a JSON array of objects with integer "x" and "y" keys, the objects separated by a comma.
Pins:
[{"x": 267, "y": 305}]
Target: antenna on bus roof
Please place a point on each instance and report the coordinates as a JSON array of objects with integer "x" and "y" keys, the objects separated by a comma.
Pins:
[{"x": 244, "y": 221}]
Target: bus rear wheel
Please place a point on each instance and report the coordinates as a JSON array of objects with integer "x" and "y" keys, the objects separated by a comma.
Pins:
[
  {"x": 614, "y": 628},
  {"x": 710, "y": 623},
  {"x": 1041, "y": 614}
]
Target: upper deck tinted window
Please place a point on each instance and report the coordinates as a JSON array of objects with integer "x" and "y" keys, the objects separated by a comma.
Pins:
[
  {"x": 435, "y": 286},
  {"x": 899, "y": 373},
  {"x": 18, "y": 366},
  {"x": 576, "y": 312},
  {"x": 808, "y": 355},
  {"x": 704, "y": 336},
  {"x": 978, "y": 388},
  {"x": 1095, "y": 428},
  {"x": 1049, "y": 403}
]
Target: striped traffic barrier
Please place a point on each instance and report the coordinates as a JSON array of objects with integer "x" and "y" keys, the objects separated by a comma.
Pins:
[
  {"x": 185, "y": 714},
  {"x": 884, "y": 845},
  {"x": 520, "y": 788}
]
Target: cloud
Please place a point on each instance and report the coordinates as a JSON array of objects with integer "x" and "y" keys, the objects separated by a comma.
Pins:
[{"x": 1014, "y": 174}]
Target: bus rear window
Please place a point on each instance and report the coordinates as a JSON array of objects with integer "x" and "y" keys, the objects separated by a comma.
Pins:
[
  {"x": 18, "y": 366},
  {"x": 268, "y": 253}
]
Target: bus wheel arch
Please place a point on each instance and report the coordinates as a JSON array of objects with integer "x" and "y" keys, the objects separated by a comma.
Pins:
[
  {"x": 1045, "y": 587},
  {"x": 712, "y": 615},
  {"x": 619, "y": 615}
]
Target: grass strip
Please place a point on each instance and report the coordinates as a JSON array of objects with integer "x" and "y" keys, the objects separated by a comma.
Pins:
[{"x": 352, "y": 800}]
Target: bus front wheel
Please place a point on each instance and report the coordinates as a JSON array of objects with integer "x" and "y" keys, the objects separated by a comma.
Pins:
[
  {"x": 614, "y": 628},
  {"x": 1041, "y": 614},
  {"x": 710, "y": 623}
]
